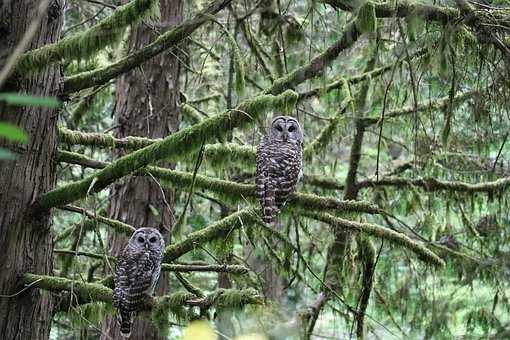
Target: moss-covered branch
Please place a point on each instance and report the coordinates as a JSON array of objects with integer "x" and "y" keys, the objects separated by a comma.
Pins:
[
  {"x": 172, "y": 147},
  {"x": 432, "y": 184},
  {"x": 216, "y": 230},
  {"x": 181, "y": 268},
  {"x": 479, "y": 19},
  {"x": 238, "y": 192},
  {"x": 84, "y": 292},
  {"x": 78, "y": 158},
  {"x": 338, "y": 84},
  {"x": 163, "y": 42},
  {"x": 93, "y": 292},
  {"x": 399, "y": 239},
  {"x": 223, "y": 153},
  {"x": 315, "y": 67},
  {"x": 87, "y": 43},
  {"x": 436, "y": 104},
  {"x": 221, "y": 298},
  {"x": 118, "y": 226},
  {"x": 73, "y": 137},
  {"x": 404, "y": 9}
]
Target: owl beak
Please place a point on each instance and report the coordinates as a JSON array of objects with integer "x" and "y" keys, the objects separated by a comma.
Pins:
[
  {"x": 285, "y": 137},
  {"x": 146, "y": 246}
]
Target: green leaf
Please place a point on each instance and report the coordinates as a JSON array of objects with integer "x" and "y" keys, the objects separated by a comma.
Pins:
[
  {"x": 24, "y": 100},
  {"x": 7, "y": 155},
  {"x": 13, "y": 133}
]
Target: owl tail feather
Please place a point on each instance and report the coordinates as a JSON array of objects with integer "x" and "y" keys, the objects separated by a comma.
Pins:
[
  {"x": 125, "y": 324},
  {"x": 269, "y": 208}
]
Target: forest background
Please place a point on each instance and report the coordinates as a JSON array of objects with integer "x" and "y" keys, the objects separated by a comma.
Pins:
[{"x": 116, "y": 115}]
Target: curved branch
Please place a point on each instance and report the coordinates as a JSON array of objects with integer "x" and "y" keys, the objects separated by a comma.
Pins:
[
  {"x": 181, "y": 268},
  {"x": 423, "y": 253},
  {"x": 163, "y": 42},
  {"x": 89, "y": 42},
  {"x": 432, "y": 184}
]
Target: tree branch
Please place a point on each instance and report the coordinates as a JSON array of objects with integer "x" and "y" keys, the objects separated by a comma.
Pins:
[
  {"x": 432, "y": 184},
  {"x": 181, "y": 268},
  {"x": 93, "y": 292},
  {"x": 85, "y": 44},
  {"x": 172, "y": 147},
  {"x": 115, "y": 224},
  {"x": 163, "y": 42},
  {"x": 394, "y": 237}
]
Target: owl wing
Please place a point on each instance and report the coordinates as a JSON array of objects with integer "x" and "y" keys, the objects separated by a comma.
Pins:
[{"x": 265, "y": 183}]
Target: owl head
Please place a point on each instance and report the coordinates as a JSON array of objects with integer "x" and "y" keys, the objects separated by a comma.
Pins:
[
  {"x": 285, "y": 129},
  {"x": 147, "y": 238}
]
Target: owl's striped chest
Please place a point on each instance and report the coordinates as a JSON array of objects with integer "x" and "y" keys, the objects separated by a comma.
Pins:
[{"x": 279, "y": 158}]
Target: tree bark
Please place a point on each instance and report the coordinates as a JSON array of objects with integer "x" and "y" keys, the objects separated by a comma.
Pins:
[
  {"x": 147, "y": 106},
  {"x": 25, "y": 238}
]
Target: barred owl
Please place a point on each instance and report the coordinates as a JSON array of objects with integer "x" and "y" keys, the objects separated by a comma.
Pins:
[
  {"x": 279, "y": 165},
  {"x": 136, "y": 274}
]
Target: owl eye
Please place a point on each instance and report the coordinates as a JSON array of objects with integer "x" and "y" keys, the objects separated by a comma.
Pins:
[
  {"x": 153, "y": 239},
  {"x": 141, "y": 239},
  {"x": 279, "y": 128},
  {"x": 291, "y": 128}
]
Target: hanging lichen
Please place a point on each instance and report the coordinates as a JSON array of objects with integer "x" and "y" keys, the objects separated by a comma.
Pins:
[
  {"x": 367, "y": 20},
  {"x": 86, "y": 44},
  {"x": 237, "y": 58}
]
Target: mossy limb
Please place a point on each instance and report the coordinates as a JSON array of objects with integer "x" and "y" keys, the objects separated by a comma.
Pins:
[
  {"x": 172, "y": 147},
  {"x": 85, "y": 44}
]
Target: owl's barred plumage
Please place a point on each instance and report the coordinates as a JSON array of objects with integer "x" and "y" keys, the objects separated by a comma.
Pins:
[
  {"x": 279, "y": 165},
  {"x": 136, "y": 274}
]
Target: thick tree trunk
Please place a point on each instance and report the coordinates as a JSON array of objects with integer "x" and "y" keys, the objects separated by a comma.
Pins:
[
  {"x": 147, "y": 105},
  {"x": 25, "y": 238}
]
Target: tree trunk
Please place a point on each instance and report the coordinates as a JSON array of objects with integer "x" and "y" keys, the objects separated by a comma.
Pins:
[
  {"x": 147, "y": 105},
  {"x": 25, "y": 238}
]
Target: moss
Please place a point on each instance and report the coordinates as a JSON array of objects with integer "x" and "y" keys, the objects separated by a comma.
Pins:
[
  {"x": 233, "y": 298},
  {"x": 163, "y": 42},
  {"x": 215, "y": 230},
  {"x": 78, "y": 158},
  {"x": 328, "y": 183},
  {"x": 118, "y": 226},
  {"x": 366, "y": 20},
  {"x": 231, "y": 191},
  {"x": 230, "y": 153},
  {"x": 324, "y": 138},
  {"x": 213, "y": 96},
  {"x": 189, "y": 286},
  {"x": 73, "y": 137},
  {"x": 326, "y": 135},
  {"x": 84, "y": 292},
  {"x": 175, "y": 304},
  {"x": 392, "y": 236},
  {"x": 318, "y": 63},
  {"x": 191, "y": 114},
  {"x": 367, "y": 251},
  {"x": 216, "y": 154},
  {"x": 86, "y": 44}
]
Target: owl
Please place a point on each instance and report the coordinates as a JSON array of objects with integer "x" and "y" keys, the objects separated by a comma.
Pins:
[
  {"x": 136, "y": 274},
  {"x": 279, "y": 165}
]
